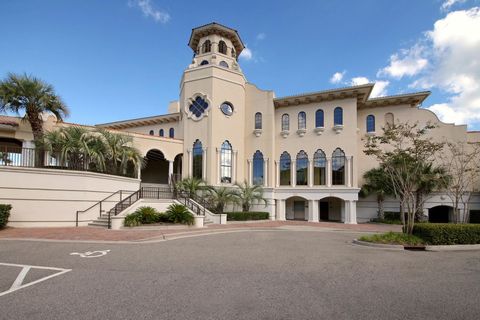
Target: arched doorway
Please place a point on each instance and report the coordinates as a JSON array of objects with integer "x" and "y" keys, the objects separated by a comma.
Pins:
[
  {"x": 156, "y": 168},
  {"x": 332, "y": 209},
  {"x": 296, "y": 209},
  {"x": 177, "y": 167},
  {"x": 440, "y": 214}
]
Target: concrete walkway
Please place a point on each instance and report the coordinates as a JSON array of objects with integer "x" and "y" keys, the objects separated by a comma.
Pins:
[{"x": 146, "y": 233}]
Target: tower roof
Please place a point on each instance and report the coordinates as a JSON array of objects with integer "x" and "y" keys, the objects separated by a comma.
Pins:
[{"x": 216, "y": 28}]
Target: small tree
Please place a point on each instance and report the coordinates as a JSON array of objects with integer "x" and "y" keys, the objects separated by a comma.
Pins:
[
  {"x": 461, "y": 161},
  {"x": 191, "y": 186},
  {"x": 377, "y": 182},
  {"x": 430, "y": 179},
  {"x": 248, "y": 195},
  {"x": 220, "y": 197},
  {"x": 404, "y": 150}
]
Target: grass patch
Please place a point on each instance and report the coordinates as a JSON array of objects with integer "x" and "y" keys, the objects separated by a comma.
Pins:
[{"x": 393, "y": 238}]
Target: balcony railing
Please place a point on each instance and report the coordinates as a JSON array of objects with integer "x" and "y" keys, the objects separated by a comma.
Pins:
[{"x": 33, "y": 158}]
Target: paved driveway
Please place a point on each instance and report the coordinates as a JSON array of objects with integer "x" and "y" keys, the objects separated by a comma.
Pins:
[{"x": 277, "y": 274}]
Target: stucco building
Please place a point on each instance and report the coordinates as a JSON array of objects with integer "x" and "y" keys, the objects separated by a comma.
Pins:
[{"x": 306, "y": 150}]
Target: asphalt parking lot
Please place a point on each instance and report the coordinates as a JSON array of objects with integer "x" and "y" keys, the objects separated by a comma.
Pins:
[{"x": 239, "y": 275}]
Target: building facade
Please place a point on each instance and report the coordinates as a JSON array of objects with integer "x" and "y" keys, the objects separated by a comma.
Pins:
[{"x": 306, "y": 150}]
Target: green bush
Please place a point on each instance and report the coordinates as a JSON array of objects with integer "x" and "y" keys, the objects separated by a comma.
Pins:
[
  {"x": 244, "y": 216},
  {"x": 178, "y": 213},
  {"x": 4, "y": 214},
  {"x": 147, "y": 215},
  {"x": 393, "y": 238},
  {"x": 447, "y": 234},
  {"x": 132, "y": 220},
  {"x": 386, "y": 221}
]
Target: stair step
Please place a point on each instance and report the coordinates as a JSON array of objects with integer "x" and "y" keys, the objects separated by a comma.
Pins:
[{"x": 98, "y": 224}]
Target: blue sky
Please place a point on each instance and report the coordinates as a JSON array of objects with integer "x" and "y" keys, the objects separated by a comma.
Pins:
[{"x": 119, "y": 59}]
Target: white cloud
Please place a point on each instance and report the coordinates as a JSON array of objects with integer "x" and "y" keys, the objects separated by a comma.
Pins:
[
  {"x": 447, "y": 4},
  {"x": 379, "y": 90},
  {"x": 447, "y": 114},
  {"x": 261, "y": 36},
  {"x": 408, "y": 62},
  {"x": 337, "y": 77},
  {"x": 246, "y": 54},
  {"x": 149, "y": 11}
]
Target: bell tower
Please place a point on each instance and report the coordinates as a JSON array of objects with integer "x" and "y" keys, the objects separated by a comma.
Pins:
[{"x": 212, "y": 104}]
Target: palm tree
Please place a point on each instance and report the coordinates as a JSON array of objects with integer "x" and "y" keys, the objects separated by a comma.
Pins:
[
  {"x": 191, "y": 186},
  {"x": 24, "y": 93},
  {"x": 221, "y": 197},
  {"x": 430, "y": 179},
  {"x": 378, "y": 183},
  {"x": 248, "y": 195}
]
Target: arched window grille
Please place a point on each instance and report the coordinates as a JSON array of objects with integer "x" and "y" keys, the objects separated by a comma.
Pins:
[
  {"x": 206, "y": 46},
  {"x": 319, "y": 120},
  {"x": 285, "y": 166},
  {"x": 338, "y": 167},
  {"x": 371, "y": 123},
  {"x": 319, "y": 168},
  {"x": 222, "y": 47},
  {"x": 302, "y": 168},
  {"x": 258, "y": 173},
  {"x": 285, "y": 122},
  {"x": 338, "y": 116},
  {"x": 204, "y": 62},
  {"x": 197, "y": 155},
  {"x": 161, "y": 133},
  {"x": 223, "y": 64},
  {"x": 258, "y": 120},
  {"x": 171, "y": 133},
  {"x": 226, "y": 162},
  {"x": 302, "y": 120},
  {"x": 151, "y": 132}
]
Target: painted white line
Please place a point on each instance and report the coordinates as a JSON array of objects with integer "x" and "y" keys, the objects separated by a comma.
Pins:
[
  {"x": 17, "y": 285},
  {"x": 21, "y": 276}
]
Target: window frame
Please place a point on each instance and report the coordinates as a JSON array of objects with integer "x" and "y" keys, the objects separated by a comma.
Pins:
[
  {"x": 319, "y": 113},
  {"x": 197, "y": 159},
  {"x": 258, "y": 174},
  {"x": 370, "y": 123},
  {"x": 226, "y": 161},
  {"x": 302, "y": 120},
  {"x": 338, "y": 116},
  {"x": 285, "y": 122},
  {"x": 338, "y": 160},
  {"x": 258, "y": 121},
  {"x": 319, "y": 168},
  {"x": 301, "y": 168},
  {"x": 285, "y": 160}
]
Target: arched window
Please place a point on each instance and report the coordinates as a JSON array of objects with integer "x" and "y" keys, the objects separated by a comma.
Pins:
[
  {"x": 371, "y": 123},
  {"x": 258, "y": 168},
  {"x": 222, "y": 47},
  {"x": 285, "y": 165},
  {"x": 204, "y": 63},
  {"x": 160, "y": 133},
  {"x": 258, "y": 120},
  {"x": 226, "y": 163},
  {"x": 171, "y": 133},
  {"x": 338, "y": 167},
  {"x": 389, "y": 120},
  {"x": 285, "y": 122},
  {"x": 197, "y": 155},
  {"x": 319, "y": 168},
  {"x": 338, "y": 116},
  {"x": 319, "y": 121},
  {"x": 233, "y": 53},
  {"x": 223, "y": 64},
  {"x": 302, "y": 168},
  {"x": 302, "y": 120},
  {"x": 206, "y": 46},
  {"x": 151, "y": 132}
]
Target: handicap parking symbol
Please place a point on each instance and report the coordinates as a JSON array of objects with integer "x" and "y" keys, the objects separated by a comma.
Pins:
[{"x": 91, "y": 254}]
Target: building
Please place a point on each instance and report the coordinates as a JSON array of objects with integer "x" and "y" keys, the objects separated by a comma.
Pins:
[{"x": 306, "y": 150}]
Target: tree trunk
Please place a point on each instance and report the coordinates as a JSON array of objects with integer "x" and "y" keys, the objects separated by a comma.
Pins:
[
  {"x": 245, "y": 207},
  {"x": 381, "y": 208},
  {"x": 419, "y": 210},
  {"x": 37, "y": 130},
  {"x": 402, "y": 214}
]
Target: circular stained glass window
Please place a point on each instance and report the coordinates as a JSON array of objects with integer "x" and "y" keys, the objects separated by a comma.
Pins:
[{"x": 227, "y": 108}]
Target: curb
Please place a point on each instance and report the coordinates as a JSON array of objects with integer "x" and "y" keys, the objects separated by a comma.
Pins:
[
  {"x": 455, "y": 247},
  {"x": 378, "y": 245}
]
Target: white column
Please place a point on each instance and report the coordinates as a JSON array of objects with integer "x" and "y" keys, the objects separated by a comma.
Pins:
[
  {"x": 313, "y": 210},
  {"x": 250, "y": 171},
  {"x": 280, "y": 204},
  {"x": 28, "y": 154},
  {"x": 348, "y": 172},
  {"x": 204, "y": 164},
  {"x": 170, "y": 171},
  {"x": 235, "y": 165},
  {"x": 329, "y": 172},
  {"x": 310, "y": 173},
  {"x": 350, "y": 212},
  {"x": 277, "y": 174},
  {"x": 190, "y": 163},
  {"x": 265, "y": 172},
  {"x": 219, "y": 171},
  {"x": 293, "y": 173}
]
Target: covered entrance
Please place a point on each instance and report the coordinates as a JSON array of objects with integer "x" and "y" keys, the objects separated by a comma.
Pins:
[
  {"x": 331, "y": 209},
  {"x": 440, "y": 214},
  {"x": 296, "y": 209},
  {"x": 156, "y": 168}
]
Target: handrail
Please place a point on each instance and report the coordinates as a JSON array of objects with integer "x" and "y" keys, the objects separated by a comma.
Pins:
[{"x": 99, "y": 203}]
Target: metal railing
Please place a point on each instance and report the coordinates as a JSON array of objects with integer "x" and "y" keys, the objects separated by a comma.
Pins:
[{"x": 34, "y": 158}]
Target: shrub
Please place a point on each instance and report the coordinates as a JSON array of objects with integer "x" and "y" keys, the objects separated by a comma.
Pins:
[
  {"x": 132, "y": 220},
  {"x": 4, "y": 214},
  {"x": 147, "y": 215},
  {"x": 393, "y": 238},
  {"x": 178, "y": 213},
  {"x": 244, "y": 216},
  {"x": 447, "y": 234}
]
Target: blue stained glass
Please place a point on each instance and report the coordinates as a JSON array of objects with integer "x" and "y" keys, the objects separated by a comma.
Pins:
[{"x": 198, "y": 106}]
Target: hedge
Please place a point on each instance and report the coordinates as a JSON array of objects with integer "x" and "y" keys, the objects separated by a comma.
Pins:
[
  {"x": 244, "y": 216},
  {"x": 4, "y": 214},
  {"x": 447, "y": 234}
]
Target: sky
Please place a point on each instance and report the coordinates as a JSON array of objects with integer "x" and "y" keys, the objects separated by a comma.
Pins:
[{"x": 113, "y": 60}]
